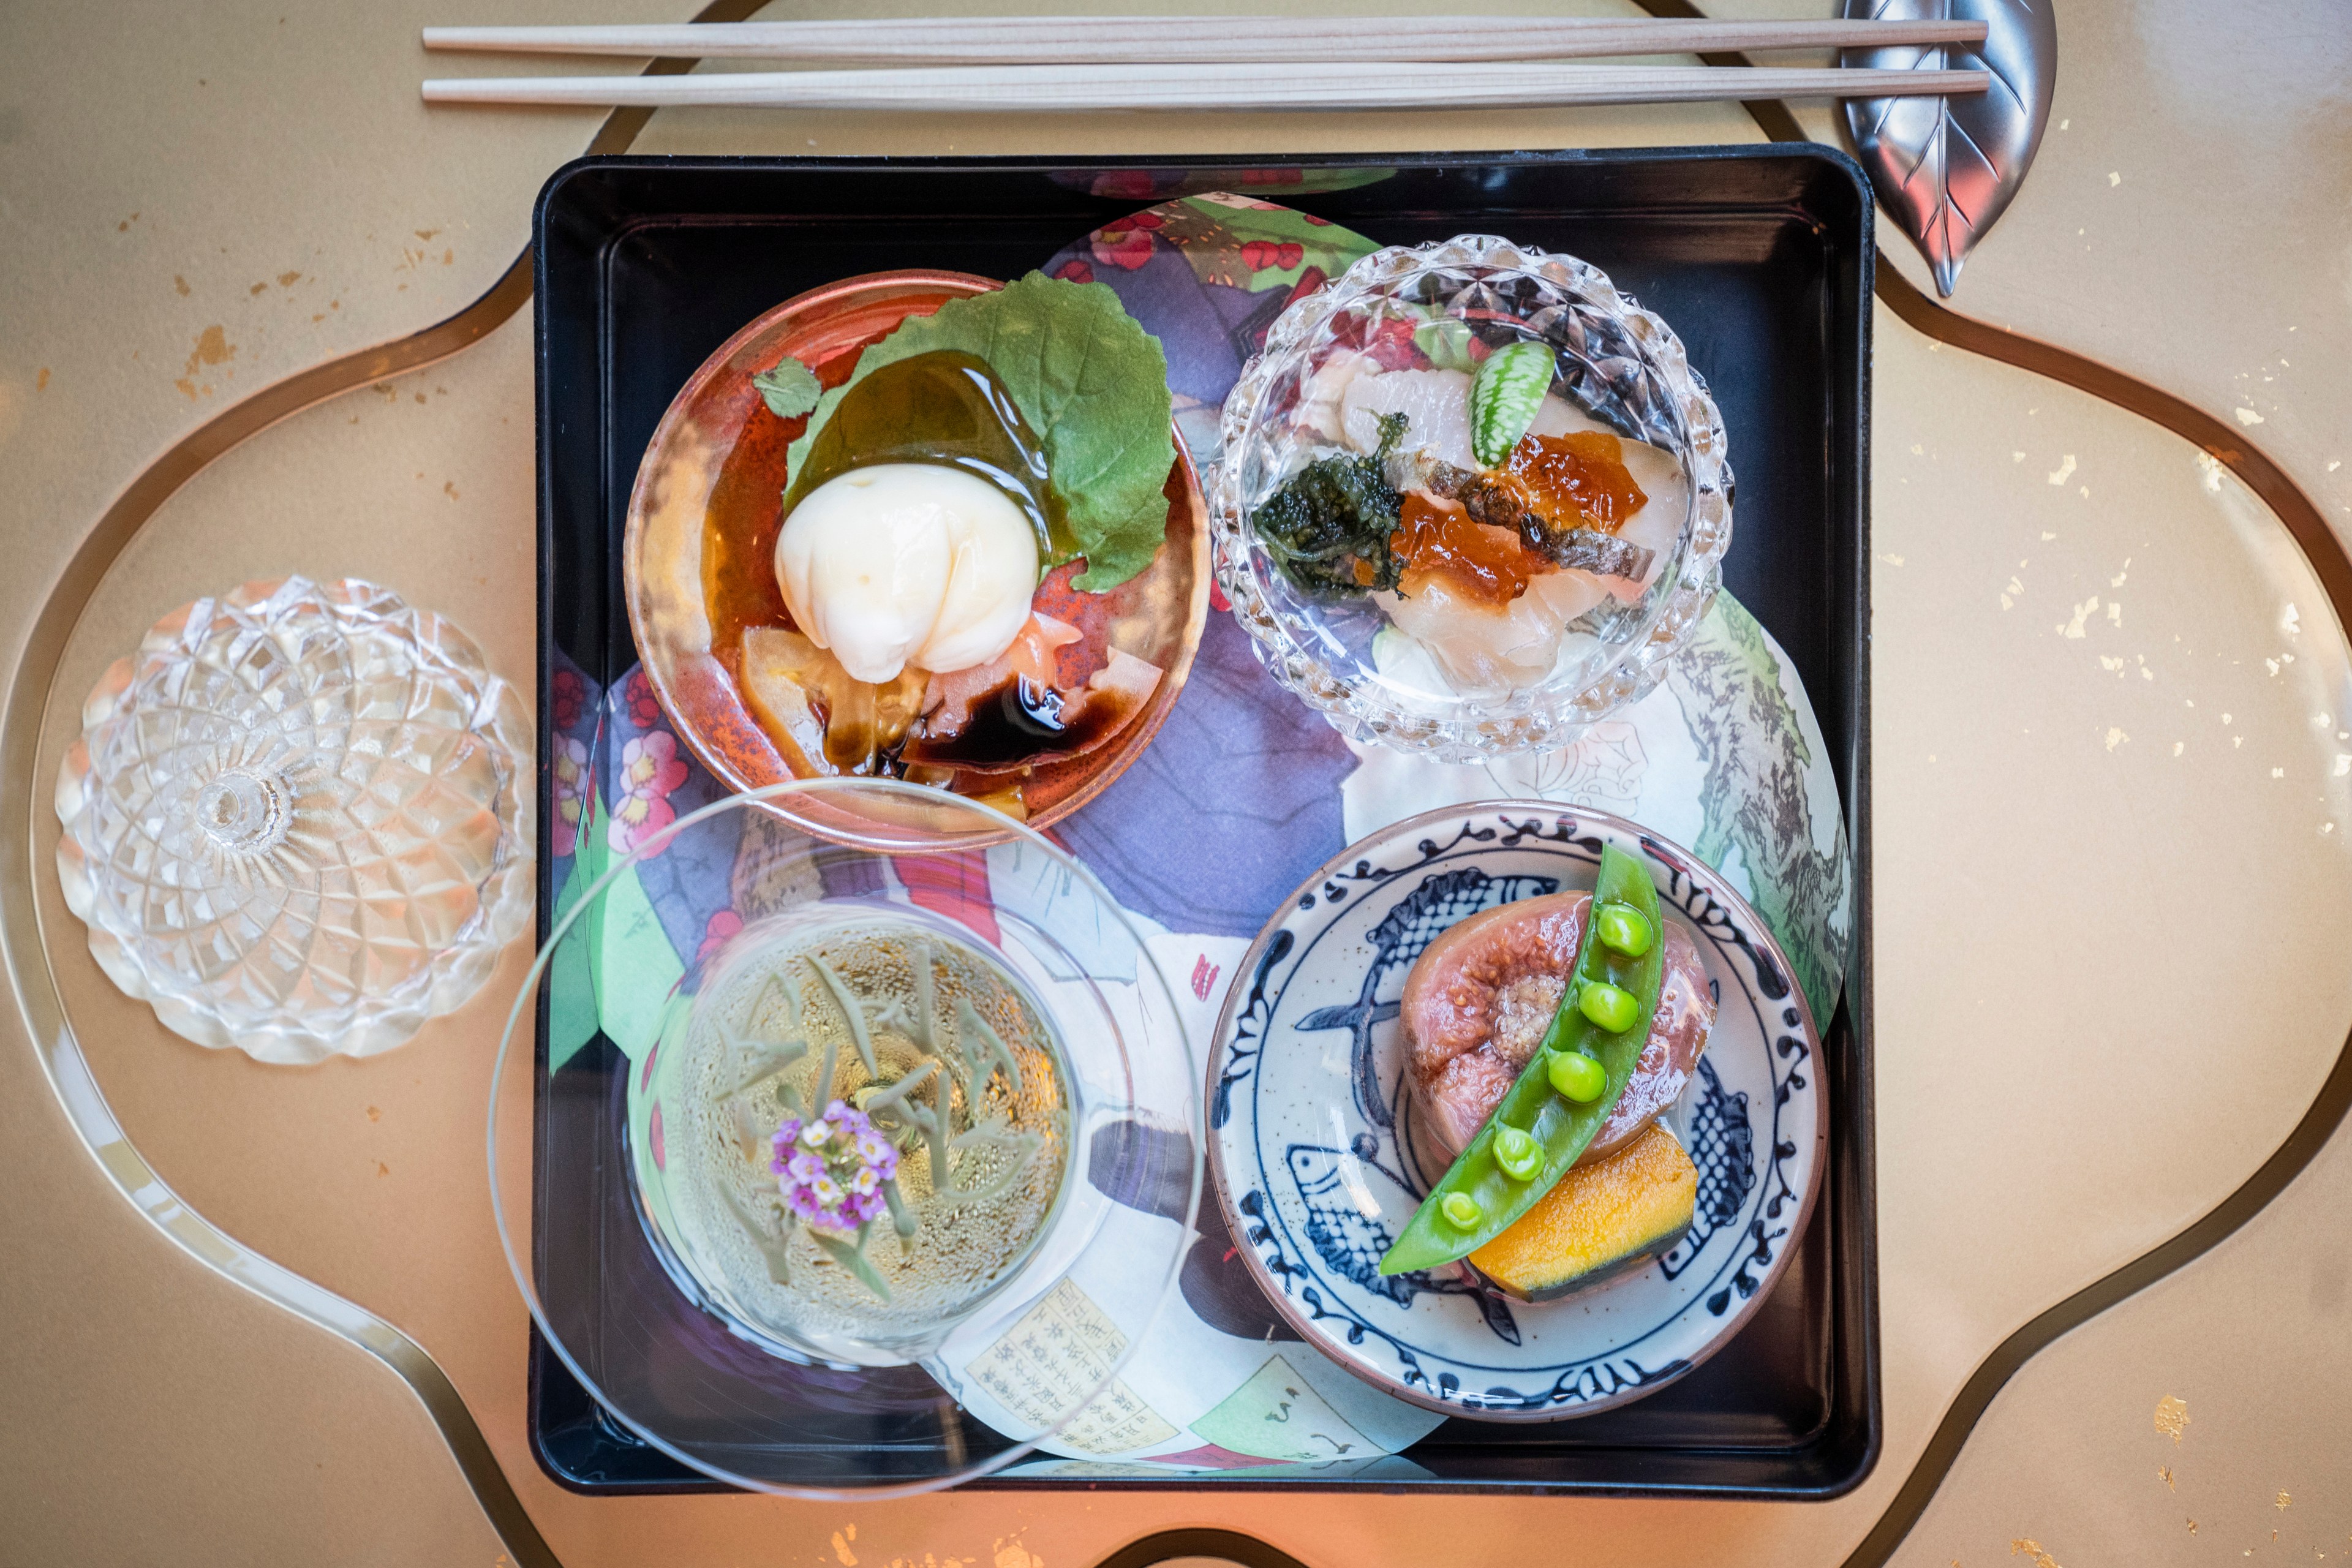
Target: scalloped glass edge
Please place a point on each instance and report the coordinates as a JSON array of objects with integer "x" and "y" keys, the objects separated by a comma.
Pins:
[
  {"x": 452, "y": 975},
  {"x": 1538, "y": 717}
]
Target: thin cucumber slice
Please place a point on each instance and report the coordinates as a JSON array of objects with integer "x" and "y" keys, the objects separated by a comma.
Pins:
[{"x": 1504, "y": 397}]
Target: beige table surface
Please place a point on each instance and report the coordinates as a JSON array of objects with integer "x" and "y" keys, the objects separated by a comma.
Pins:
[{"x": 2089, "y": 815}]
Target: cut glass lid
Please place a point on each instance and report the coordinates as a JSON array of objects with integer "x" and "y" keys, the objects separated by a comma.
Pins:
[{"x": 294, "y": 821}]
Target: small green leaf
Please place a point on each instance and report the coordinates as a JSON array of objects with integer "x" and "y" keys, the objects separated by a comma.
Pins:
[
  {"x": 1447, "y": 340},
  {"x": 1090, "y": 381},
  {"x": 789, "y": 388},
  {"x": 851, "y": 1255},
  {"x": 1505, "y": 396}
]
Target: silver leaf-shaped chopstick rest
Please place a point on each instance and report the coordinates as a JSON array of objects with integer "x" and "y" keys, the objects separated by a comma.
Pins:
[{"x": 1947, "y": 167}]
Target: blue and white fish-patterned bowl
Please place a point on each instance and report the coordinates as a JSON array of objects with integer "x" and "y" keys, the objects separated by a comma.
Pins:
[{"x": 1315, "y": 1159}]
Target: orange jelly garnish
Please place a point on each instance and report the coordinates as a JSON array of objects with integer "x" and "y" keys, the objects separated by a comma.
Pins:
[
  {"x": 1486, "y": 564},
  {"x": 1582, "y": 472}
]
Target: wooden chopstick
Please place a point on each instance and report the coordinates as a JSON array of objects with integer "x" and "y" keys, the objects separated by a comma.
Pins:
[
  {"x": 1078, "y": 40},
  {"x": 1255, "y": 86}
]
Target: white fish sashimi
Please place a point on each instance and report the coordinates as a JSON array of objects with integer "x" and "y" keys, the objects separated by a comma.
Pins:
[
  {"x": 1489, "y": 651},
  {"x": 1565, "y": 596},
  {"x": 1482, "y": 650},
  {"x": 1435, "y": 403},
  {"x": 1320, "y": 400}
]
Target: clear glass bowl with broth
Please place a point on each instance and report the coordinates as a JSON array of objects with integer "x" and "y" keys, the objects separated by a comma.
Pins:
[
  {"x": 1578, "y": 647},
  {"x": 845, "y": 1156},
  {"x": 841, "y": 1210}
]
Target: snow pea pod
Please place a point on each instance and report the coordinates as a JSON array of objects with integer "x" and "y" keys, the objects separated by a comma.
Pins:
[{"x": 1491, "y": 1198}]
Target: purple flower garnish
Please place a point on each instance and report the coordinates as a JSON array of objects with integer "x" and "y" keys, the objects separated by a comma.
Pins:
[{"x": 830, "y": 1170}]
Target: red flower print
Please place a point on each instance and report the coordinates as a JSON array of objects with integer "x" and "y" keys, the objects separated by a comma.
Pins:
[
  {"x": 650, "y": 769},
  {"x": 644, "y": 707},
  {"x": 1205, "y": 975},
  {"x": 569, "y": 692},
  {"x": 1148, "y": 220},
  {"x": 1260, "y": 254},
  {"x": 1126, "y": 247},
  {"x": 1310, "y": 280},
  {"x": 660, "y": 1160},
  {"x": 571, "y": 791},
  {"x": 716, "y": 932},
  {"x": 1318, "y": 222},
  {"x": 1133, "y": 184},
  {"x": 1392, "y": 348},
  {"x": 955, "y": 886},
  {"x": 1076, "y": 271}
]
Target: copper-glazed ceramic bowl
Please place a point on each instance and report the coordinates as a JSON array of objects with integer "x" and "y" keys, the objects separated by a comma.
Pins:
[{"x": 713, "y": 480}]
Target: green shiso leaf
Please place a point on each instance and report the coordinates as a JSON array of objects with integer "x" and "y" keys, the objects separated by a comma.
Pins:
[
  {"x": 790, "y": 388},
  {"x": 1090, "y": 381}
]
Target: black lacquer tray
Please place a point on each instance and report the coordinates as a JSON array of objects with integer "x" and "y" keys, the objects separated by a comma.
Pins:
[{"x": 1761, "y": 259}]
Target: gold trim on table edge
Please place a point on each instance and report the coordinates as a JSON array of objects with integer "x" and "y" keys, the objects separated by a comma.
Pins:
[
  {"x": 23, "y": 801},
  {"x": 38, "y": 1001},
  {"x": 2320, "y": 1120}
]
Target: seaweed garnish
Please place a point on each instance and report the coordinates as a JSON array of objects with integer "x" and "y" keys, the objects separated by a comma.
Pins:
[{"x": 1327, "y": 527}]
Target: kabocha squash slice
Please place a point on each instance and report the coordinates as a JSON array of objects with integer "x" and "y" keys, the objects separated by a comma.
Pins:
[{"x": 1598, "y": 1223}]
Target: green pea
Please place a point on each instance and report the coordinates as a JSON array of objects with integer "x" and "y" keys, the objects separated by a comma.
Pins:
[
  {"x": 1609, "y": 1006},
  {"x": 1563, "y": 1094},
  {"x": 1518, "y": 1153},
  {"x": 1578, "y": 1076},
  {"x": 1621, "y": 926}
]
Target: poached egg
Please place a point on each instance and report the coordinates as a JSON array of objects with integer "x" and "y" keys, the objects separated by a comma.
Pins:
[{"x": 905, "y": 565}]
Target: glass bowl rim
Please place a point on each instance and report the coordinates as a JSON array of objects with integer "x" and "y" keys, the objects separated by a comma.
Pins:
[
  {"x": 1537, "y": 718},
  {"x": 526, "y": 1004}
]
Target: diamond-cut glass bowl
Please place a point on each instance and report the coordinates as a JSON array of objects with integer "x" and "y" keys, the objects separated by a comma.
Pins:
[{"x": 1617, "y": 364}]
